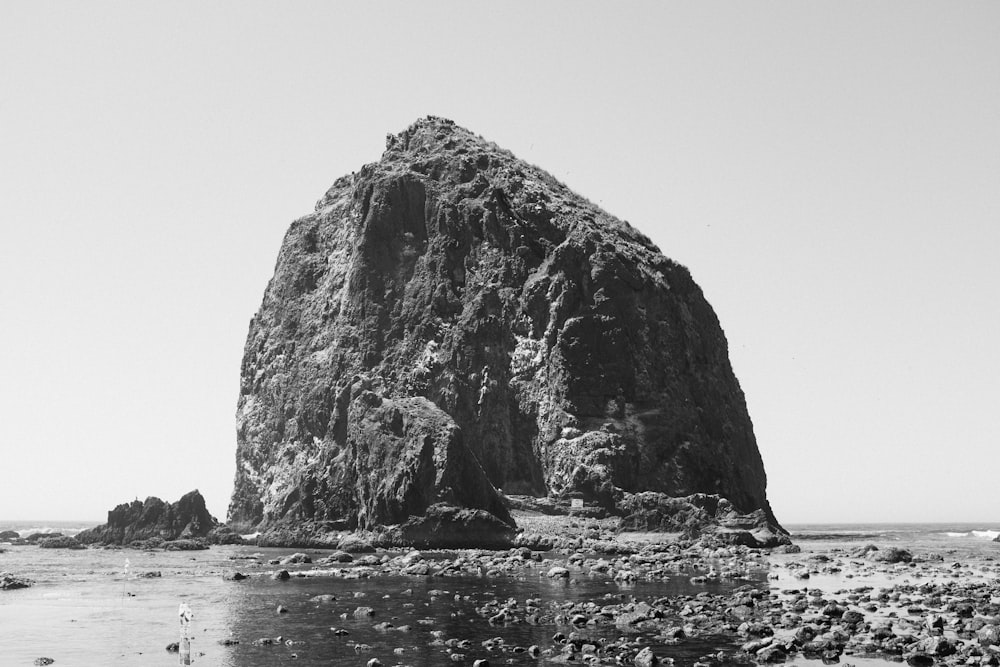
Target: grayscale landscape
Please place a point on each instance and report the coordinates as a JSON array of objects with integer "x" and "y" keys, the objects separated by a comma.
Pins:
[{"x": 457, "y": 334}]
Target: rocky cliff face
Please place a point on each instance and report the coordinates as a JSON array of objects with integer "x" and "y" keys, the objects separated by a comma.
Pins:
[
  {"x": 451, "y": 319},
  {"x": 153, "y": 519}
]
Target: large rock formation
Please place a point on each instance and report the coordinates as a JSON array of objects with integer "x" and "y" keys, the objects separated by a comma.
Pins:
[
  {"x": 153, "y": 519},
  {"x": 451, "y": 319}
]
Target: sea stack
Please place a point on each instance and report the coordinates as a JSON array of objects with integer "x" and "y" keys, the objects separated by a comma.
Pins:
[
  {"x": 154, "y": 519},
  {"x": 452, "y": 324}
]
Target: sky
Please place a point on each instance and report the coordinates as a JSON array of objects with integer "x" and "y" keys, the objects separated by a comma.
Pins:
[{"x": 828, "y": 171}]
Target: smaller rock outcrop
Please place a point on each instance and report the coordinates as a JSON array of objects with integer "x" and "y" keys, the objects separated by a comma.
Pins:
[
  {"x": 8, "y": 535},
  {"x": 450, "y": 527},
  {"x": 62, "y": 542},
  {"x": 223, "y": 534},
  {"x": 9, "y": 582},
  {"x": 154, "y": 519},
  {"x": 699, "y": 514}
]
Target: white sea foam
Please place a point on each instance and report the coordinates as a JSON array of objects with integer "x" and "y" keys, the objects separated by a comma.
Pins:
[
  {"x": 26, "y": 529},
  {"x": 977, "y": 534},
  {"x": 25, "y": 532},
  {"x": 986, "y": 534}
]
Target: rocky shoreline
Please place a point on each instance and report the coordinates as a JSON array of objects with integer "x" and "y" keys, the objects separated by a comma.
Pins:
[
  {"x": 540, "y": 523},
  {"x": 834, "y": 603},
  {"x": 928, "y": 610}
]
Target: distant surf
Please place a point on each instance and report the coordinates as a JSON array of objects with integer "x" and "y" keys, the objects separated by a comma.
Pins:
[
  {"x": 26, "y": 528},
  {"x": 976, "y": 534},
  {"x": 892, "y": 531}
]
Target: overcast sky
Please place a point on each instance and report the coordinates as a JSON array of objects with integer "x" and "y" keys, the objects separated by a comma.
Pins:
[{"x": 829, "y": 171}]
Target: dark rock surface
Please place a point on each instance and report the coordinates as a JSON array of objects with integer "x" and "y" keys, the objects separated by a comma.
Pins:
[
  {"x": 62, "y": 542},
  {"x": 155, "y": 520},
  {"x": 223, "y": 534},
  {"x": 452, "y": 319},
  {"x": 447, "y": 526},
  {"x": 35, "y": 538},
  {"x": 698, "y": 514},
  {"x": 9, "y": 582},
  {"x": 7, "y": 535}
]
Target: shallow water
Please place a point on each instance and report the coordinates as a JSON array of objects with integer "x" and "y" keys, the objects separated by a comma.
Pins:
[{"x": 86, "y": 610}]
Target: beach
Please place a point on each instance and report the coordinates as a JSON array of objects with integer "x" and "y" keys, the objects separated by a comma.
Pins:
[{"x": 927, "y": 594}]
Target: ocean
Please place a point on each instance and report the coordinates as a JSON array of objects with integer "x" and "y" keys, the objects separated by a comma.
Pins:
[
  {"x": 120, "y": 606},
  {"x": 923, "y": 533}
]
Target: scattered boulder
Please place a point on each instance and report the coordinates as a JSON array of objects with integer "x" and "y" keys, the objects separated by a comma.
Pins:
[
  {"x": 9, "y": 582},
  {"x": 936, "y": 646},
  {"x": 185, "y": 545},
  {"x": 771, "y": 654},
  {"x": 295, "y": 559},
  {"x": 336, "y": 557},
  {"x": 989, "y": 635},
  {"x": 645, "y": 658},
  {"x": 354, "y": 544},
  {"x": 891, "y": 555}
]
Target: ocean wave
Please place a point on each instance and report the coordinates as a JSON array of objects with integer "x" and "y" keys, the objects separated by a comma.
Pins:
[
  {"x": 843, "y": 535},
  {"x": 976, "y": 534},
  {"x": 46, "y": 530},
  {"x": 986, "y": 534}
]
